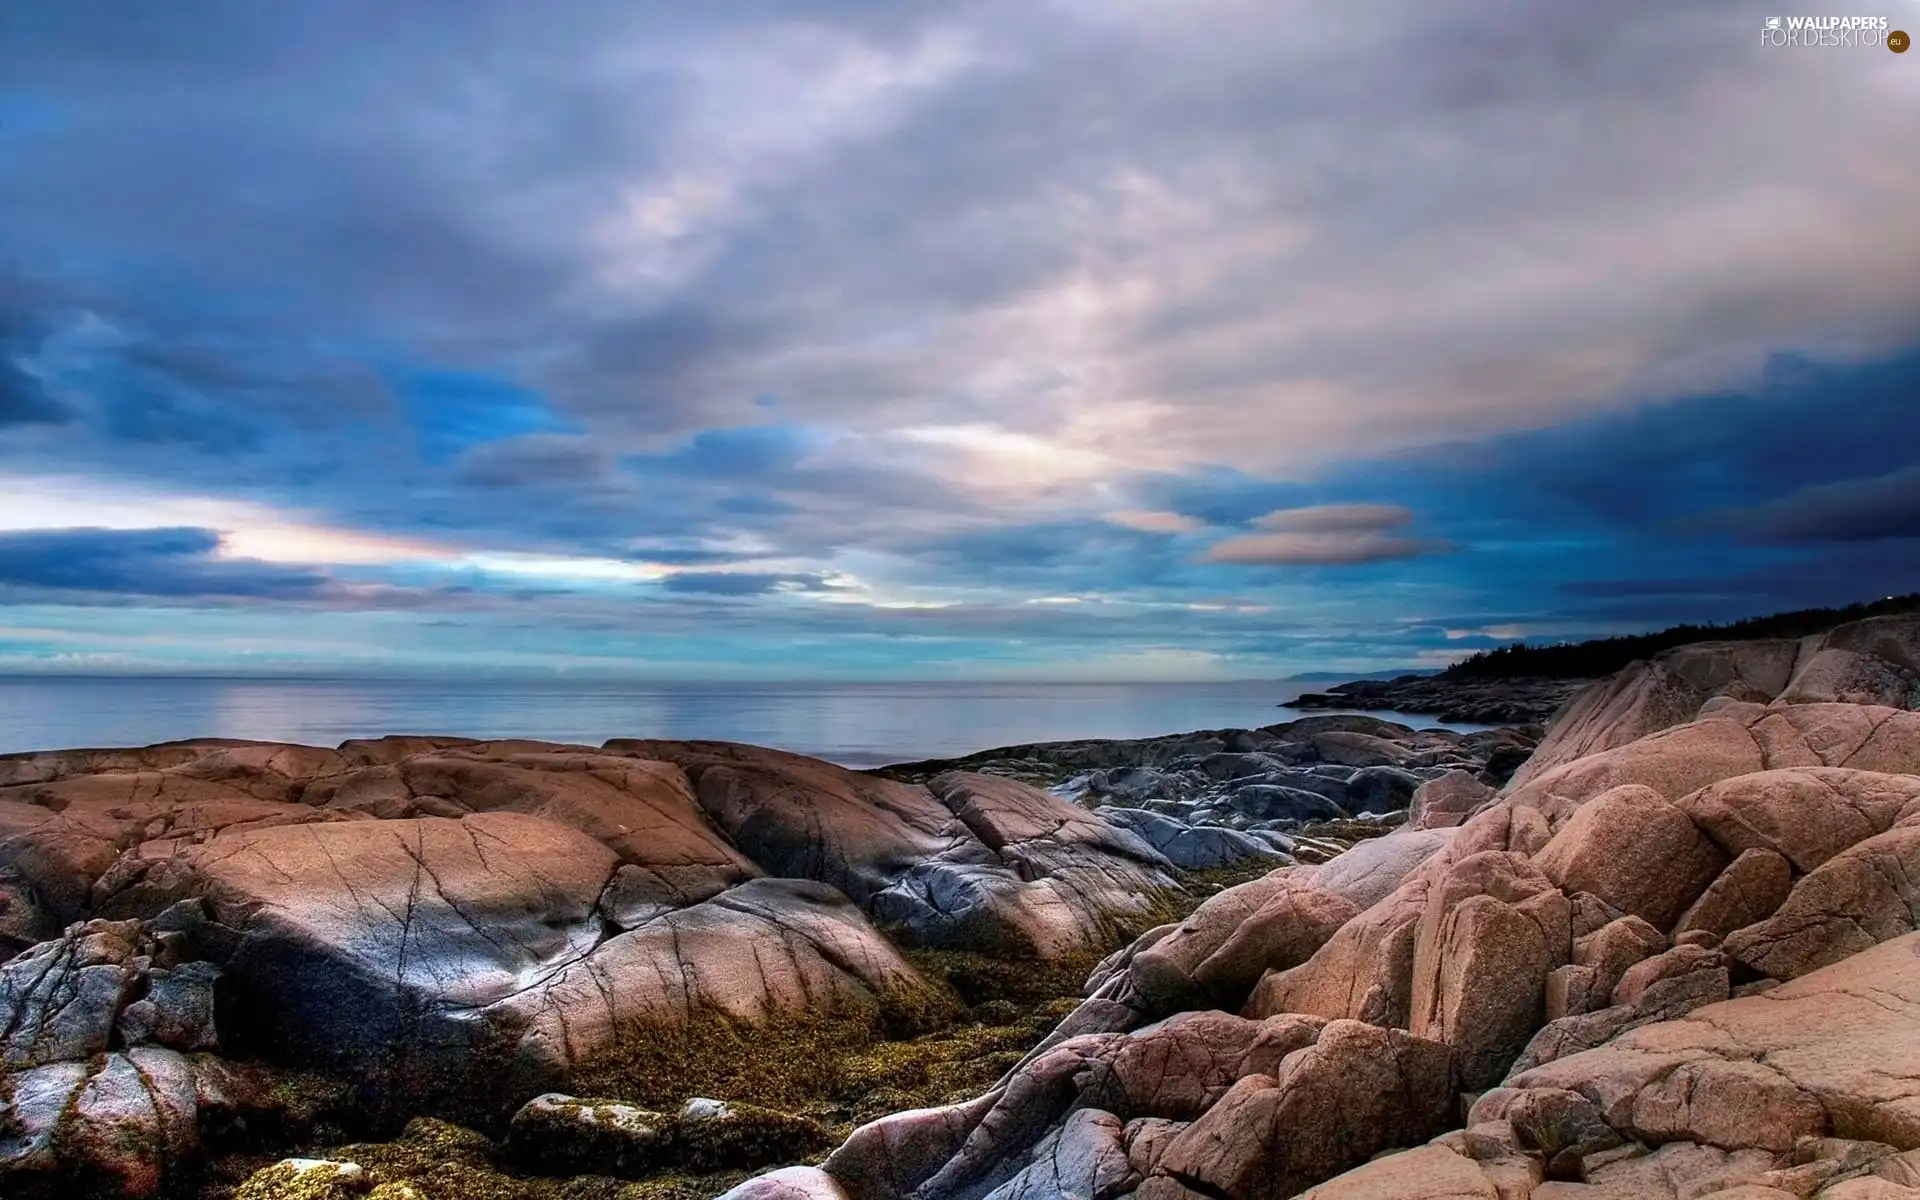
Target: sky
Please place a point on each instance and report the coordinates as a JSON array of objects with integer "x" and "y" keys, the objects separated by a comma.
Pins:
[{"x": 1053, "y": 339}]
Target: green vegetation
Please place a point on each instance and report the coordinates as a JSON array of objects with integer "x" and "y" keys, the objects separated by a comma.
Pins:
[{"x": 1604, "y": 656}]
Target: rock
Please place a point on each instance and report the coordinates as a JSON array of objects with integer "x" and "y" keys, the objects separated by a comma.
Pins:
[
  {"x": 435, "y": 937},
  {"x": 1085, "y": 1156},
  {"x": 767, "y": 947},
  {"x": 1826, "y": 1054},
  {"x": 177, "y": 1011},
  {"x": 1357, "y": 1090},
  {"x": 896, "y": 1154},
  {"x": 355, "y": 935},
  {"x": 1669, "y": 1173},
  {"x": 1806, "y": 814},
  {"x": 564, "y": 1135},
  {"x": 1867, "y": 894},
  {"x": 1272, "y": 801},
  {"x": 1447, "y": 801},
  {"x": 1563, "y": 1127},
  {"x": 1189, "y": 847},
  {"x": 60, "y": 999},
  {"x": 1029, "y": 1102},
  {"x": 1660, "y": 988},
  {"x": 789, "y": 1183},
  {"x": 1492, "y": 930},
  {"x": 1163, "y": 975},
  {"x": 1570, "y": 991},
  {"x": 1179, "y": 1068},
  {"x": 1290, "y": 925},
  {"x": 1635, "y": 851},
  {"x": 124, "y": 1124},
  {"x": 1352, "y": 749},
  {"x": 1381, "y": 789},
  {"x": 1147, "y": 1138},
  {"x": 1371, "y": 870},
  {"x": 1613, "y": 948},
  {"x": 1749, "y": 890},
  {"x": 1675, "y": 964},
  {"x": 1423, "y": 1173}
]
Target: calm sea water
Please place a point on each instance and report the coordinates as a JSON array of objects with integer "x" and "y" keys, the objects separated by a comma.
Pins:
[{"x": 856, "y": 724}]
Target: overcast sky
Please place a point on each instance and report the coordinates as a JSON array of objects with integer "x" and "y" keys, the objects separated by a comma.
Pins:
[{"x": 981, "y": 338}]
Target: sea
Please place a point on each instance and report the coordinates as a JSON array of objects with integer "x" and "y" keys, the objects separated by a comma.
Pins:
[{"x": 859, "y": 724}]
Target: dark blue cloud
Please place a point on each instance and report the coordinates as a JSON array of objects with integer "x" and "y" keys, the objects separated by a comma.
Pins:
[
  {"x": 754, "y": 451},
  {"x": 23, "y": 401},
  {"x": 170, "y": 564},
  {"x": 1220, "y": 495}
]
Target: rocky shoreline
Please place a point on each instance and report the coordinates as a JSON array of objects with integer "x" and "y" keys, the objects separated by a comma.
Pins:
[
  {"x": 1466, "y": 701},
  {"x": 1666, "y": 950}
]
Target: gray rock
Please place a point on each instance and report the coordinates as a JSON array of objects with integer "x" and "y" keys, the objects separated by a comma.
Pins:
[
  {"x": 177, "y": 1011},
  {"x": 60, "y": 999},
  {"x": 1268, "y": 801}
]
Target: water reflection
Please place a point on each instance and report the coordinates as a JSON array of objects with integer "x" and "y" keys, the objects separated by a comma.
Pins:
[{"x": 860, "y": 724}]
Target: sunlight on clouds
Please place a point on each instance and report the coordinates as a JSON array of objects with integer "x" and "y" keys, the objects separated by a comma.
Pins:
[
  {"x": 551, "y": 566},
  {"x": 1155, "y": 522},
  {"x": 247, "y": 531}
]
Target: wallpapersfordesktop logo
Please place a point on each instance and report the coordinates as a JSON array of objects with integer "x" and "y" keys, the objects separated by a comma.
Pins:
[{"x": 1831, "y": 31}]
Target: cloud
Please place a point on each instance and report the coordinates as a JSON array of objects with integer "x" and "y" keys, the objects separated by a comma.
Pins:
[
  {"x": 1326, "y": 535},
  {"x": 547, "y": 460},
  {"x": 1852, "y": 510},
  {"x": 23, "y": 402},
  {"x": 1336, "y": 518},
  {"x": 741, "y": 583},
  {"x": 1335, "y": 549},
  {"x": 1147, "y": 521},
  {"x": 977, "y": 301},
  {"x": 179, "y": 563}
]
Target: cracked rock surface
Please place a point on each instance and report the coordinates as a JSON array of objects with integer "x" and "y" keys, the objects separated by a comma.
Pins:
[
  {"x": 1674, "y": 956},
  {"x": 461, "y": 925}
]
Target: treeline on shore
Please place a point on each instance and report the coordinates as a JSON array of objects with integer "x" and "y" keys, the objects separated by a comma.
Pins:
[{"x": 1604, "y": 656}]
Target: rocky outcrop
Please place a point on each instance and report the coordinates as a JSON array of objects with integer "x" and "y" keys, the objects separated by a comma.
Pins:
[
  {"x": 1872, "y": 662},
  {"x": 1676, "y": 957},
  {"x": 1519, "y": 701},
  {"x": 460, "y": 925}
]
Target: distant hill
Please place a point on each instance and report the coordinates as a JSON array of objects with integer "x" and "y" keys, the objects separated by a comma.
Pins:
[{"x": 1604, "y": 656}]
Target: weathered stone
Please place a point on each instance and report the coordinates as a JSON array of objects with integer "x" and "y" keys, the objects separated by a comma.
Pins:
[
  {"x": 1807, "y": 814},
  {"x": 1358, "y": 1090},
  {"x": 1493, "y": 928},
  {"x": 1673, "y": 966},
  {"x": 1180, "y": 1067},
  {"x": 1085, "y": 1156},
  {"x": 1447, "y": 801},
  {"x": 1423, "y": 1173},
  {"x": 1616, "y": 946},
  {"x": 1828, "y": 1053},
  {"x": 177, "y": 1011},
  {"x": 1635, "y": 851},
  {"x": 1749, "y": 890},
  {"x": 1867, "y": 894},
  {"x": 789, "y": 1183}
]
